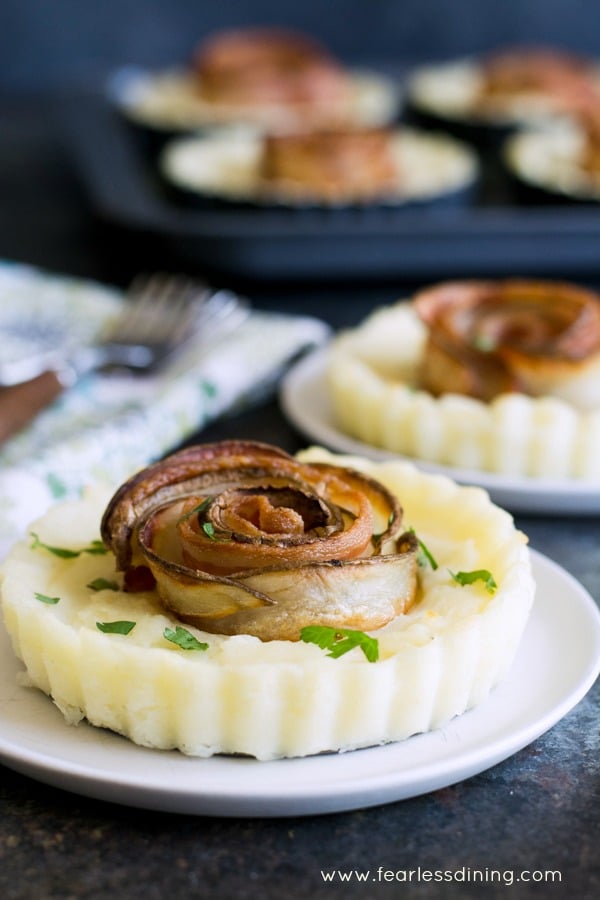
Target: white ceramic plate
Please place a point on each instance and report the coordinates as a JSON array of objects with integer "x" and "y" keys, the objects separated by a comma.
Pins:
[
  {"x": 305, "y": 401},
  {"x": 565, "y": 624}
]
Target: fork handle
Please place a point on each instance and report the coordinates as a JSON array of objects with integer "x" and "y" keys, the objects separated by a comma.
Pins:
[{"x": 20, "y": 403}]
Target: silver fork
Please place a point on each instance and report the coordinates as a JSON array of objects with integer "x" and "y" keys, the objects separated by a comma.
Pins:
[{"x": 162, "y": 314}]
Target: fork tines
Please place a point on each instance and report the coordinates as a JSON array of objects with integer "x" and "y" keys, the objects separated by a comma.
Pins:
[{"x": 167, "y": 310}]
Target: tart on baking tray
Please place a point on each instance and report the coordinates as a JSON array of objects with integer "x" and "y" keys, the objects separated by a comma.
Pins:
[
  {"x": 562, "y": 161},
  {"x": 268, "y": 77},
  {"x": 234, "y": 599},
  {"x": 484, "y": 97},
  {"x": 333, "y": 167}
]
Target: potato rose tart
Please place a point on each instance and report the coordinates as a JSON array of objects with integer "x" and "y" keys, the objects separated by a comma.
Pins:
[
  {"x": 243, "y": 539},
  {"x": 540, "y": 78},
  {"x": 331, "y": 168},
  {"x": 267, "y": 77},
  {"x": 271, "y": 66},
  {"x": 485, "y": 98},
  {"x": 124, "y": 661},
  {"x": 561, "y": 163},
  {"x": 488, "y": 338},
  {"x": 332, "y": 165},
  {"x": 475, "y": 375}
]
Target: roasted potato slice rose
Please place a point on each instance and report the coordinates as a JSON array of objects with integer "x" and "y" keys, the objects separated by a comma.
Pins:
[
  {"x": 241, "y": 538},
  {"x": 269, "y": 65},
  {"x": 489, "y": 338}
]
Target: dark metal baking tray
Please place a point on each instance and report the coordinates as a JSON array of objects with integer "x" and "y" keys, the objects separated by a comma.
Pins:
[{"x": 495, "y": 235}]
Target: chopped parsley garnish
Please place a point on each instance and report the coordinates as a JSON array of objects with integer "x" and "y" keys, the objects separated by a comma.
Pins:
[
  {"x": 44, "y": 598},
  {"x": 207, "y": 527},
  {"x": 484, "y": 575},
  {"x": 209, "y": 530},
  {"x": 197, "y": 510},
  {"x": 377, "y": 537},
  {"x": 340, "y": 640},
  {"x": 95, "y": 548},
  {"x": 425, "y": 556},
  {"x": 103, "y": 584},
  {"x": 183, "y": 638},
  {"x": 485, "y": 343},
  {"x": 119, "y": 627}
]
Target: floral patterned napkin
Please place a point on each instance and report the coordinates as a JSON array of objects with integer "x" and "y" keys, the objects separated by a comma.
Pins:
[{"x": 108, "y": 426}]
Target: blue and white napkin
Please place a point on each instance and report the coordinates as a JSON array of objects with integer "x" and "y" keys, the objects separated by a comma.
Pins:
[{"x": 108, "y": 426}]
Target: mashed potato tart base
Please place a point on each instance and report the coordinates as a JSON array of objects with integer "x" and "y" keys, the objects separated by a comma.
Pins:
[
  {"x": 550, "y": 160},
  {"x": 278, "y": 698},
  {"x": 372, "y": 378},
  {"x": 171, "y": 100},
  {"x": 228, "y": 166},
  {"x": 455, "y": 91}
]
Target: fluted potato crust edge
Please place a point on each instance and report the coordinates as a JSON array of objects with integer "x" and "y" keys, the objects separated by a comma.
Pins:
[
  {"x": 278, "y": 698},
  {"x": 372, "y": 374}
]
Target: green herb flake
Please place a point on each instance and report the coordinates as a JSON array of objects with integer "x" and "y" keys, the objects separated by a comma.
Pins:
[
  {"x": 96, "y": 547},
  {"x": 44, "y": 598},
  {"x": 485, "y": 343},
  {"x": 119, "y": 627},
  {"x": 377, "y": 537},
  {"x": 484, "y": 575},
  {"x": 183, "y": 638},
  {"x": 209, "y": 530},
  {"x": 102, "y": 584},
  {"x": 201, "y": 508},
  {"x": 198, "y": 510},
  {"x": 62, "y": 552},
  {"x": 425, "y": 555},
  {"x": 340, "y": 640}
]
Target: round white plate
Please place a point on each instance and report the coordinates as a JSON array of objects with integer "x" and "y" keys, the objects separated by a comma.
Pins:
[
  {"x": 565, "y": 624},
  {"x": 305, "y": 401}
]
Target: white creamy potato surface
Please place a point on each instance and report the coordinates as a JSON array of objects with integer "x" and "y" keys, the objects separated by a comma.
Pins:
[
  {"x": 227, "y": 164},
  {"x": 171, "y": 100},
  {"x": 278, "y": 698},
  {"x": 551, "y": 159},
  {"x": 456, "y": 91},
  {"x": 372, "y": 376}
]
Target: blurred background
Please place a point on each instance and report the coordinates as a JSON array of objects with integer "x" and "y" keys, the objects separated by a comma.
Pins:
[
  {"x": 61, "y": 209},
  {"x": 47, "y": 43}
]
